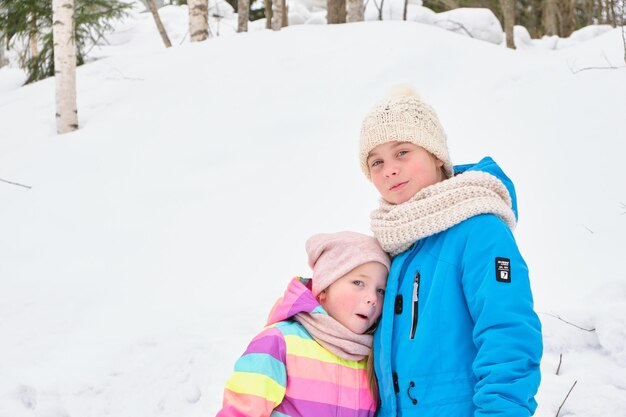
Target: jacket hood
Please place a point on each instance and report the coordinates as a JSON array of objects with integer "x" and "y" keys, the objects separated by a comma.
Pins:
[
  {"x": 488, "y": 165},
  {"x": 298, "y": 298}
]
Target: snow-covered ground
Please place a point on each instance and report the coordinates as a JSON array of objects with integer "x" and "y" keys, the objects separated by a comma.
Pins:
[{"x": 154, "y": 240}]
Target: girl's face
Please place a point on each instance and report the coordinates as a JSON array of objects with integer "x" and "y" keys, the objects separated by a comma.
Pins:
[
  {"x": 400, "y": 169},
  {"x": 356, "y": 299}
]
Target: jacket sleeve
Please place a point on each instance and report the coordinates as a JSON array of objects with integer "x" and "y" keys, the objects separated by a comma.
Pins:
[
  {"x": 258, "y": 384},
  {"x": 507, "y": 331}
]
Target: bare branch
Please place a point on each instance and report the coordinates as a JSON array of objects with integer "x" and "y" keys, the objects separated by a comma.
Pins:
[
  {"x": 558, "y": 368},
  {"x": 565, "y": 399},
  {"x": 122, "y": 75},
  {"x": 607, "y": 60},
  {"x": 596, "y": 68},
  {"x": 571, "y": 324},
  {"x": 459, "y": 25},
  {"x": 16, "y": 183}
]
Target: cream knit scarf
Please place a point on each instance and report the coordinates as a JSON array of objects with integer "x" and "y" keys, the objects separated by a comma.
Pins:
[
  {"x": 335, "y": 337},
  {"x": 439, "y": 207}
]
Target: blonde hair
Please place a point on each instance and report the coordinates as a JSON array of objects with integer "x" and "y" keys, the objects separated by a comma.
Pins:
[{"x": 371, "y": 378}]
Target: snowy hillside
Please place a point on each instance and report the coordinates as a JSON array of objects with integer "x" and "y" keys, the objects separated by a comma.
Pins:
[{"x": 152, "y": 242}]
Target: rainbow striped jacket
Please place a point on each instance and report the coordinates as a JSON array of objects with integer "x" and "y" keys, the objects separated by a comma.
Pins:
[{"x": 285, "y": 372}]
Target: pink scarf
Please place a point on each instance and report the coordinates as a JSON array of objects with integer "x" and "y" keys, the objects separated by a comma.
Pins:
[{"x": 335, "y": 337}]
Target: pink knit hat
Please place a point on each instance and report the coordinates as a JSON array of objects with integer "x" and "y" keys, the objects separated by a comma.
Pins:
[{"x": 332, "y": 255}]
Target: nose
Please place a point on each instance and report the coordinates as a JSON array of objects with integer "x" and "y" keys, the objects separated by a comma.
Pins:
[
  {"x": 371, "y": 299},
  {"x": 390, "y": 170}
]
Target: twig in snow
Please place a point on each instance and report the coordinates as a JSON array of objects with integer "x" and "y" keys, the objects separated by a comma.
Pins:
[
  {"x": 588, "y": 229},
  {"x": 571, "y": 324},
  {"x": 590, "y": 68},
  {"x": 459, "y": 25},
  {"x": 607, "y": 60},
  {"x": 16, "y": 183},
  {"x": 123, "y": 77},
  {"x": 565, "y": 399},
  {"x": 558, "y": 368},
  {"x": 595, "y": 68},
  {"x": 611, "y": 66}
]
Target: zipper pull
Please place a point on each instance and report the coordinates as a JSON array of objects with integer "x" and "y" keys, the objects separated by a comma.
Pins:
[{"x": 415, "y": 299}]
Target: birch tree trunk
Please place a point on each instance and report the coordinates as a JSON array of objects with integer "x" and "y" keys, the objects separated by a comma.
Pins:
[
  {"x": 198, "y": 20},
  {"x": 355, "y": 11},
  {"x": 277, "y": 14},
  {"x": 268, "y": 14},
  {"x": 64, "y": 65},
  {"x": 34, "y": 50},
  {"x": 508, "y": 11},
  {"x": 243, "y": 8},
  {"x": 3, "y": 60},
  {"x": 159, "y": 24},
  {"x": 335, "y": 11},
  {"x": 549, "y": 17}
]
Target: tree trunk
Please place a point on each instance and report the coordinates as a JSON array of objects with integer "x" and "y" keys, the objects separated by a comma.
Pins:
[
  {"x": 34, "y": 50},
  {"x": 508, "y": 11},
  {"x": 277, "y": 14},
  {"x": 610, "y": 13},
  {"x": 549, "y": 17},
  {"x": 285, "y": 21},
  {"x": 600, "y": 11},
  {"x": 243, "y": 9},
  {"x": 3, "y": 60},
  {"x": 159, "y": 24},
  {"x": 268, "y": 14},
  {"x": 335, "y": 11},
  {"x": 380, "y": 10},
  {"x": 355, "y": 11},
  {"x": 567, "y": 21},
  {"x": 64, "y": 65},
  {"x": 406, "y": 7},
  {"x": 587, "y": 15},
  {"x": 198, "y": 20}
]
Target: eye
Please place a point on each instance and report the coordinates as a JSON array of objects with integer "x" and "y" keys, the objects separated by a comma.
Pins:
[
  {"x": 381, "y": 291},
  {"x": 402, "y": 152},
  {"x": 358, "y": 282},
  {"x": 375, "y": 163}
]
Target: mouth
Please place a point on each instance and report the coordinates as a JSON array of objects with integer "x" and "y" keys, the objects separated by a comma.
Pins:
[
  {"x": 398, "y": 186},
  {"x": 362, "y": 316}
]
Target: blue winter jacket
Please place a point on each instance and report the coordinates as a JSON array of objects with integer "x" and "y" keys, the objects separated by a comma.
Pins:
[{"x": 458, "y": 335}]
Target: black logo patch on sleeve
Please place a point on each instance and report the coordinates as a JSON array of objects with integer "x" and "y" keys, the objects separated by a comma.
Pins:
[{"x": 503, "y": 270}]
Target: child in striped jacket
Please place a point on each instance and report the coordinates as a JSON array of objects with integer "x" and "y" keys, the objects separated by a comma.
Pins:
[{"x": 312, "y": 358}]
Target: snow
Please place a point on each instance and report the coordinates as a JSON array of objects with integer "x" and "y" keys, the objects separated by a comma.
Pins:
[
  {"x": 153, "y": 241},
  {"x": 477, "y": 23}
]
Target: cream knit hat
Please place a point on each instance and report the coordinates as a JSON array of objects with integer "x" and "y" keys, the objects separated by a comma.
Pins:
[
  {"x": 404, "y": 117},
  {"x": 333, "y": 255}
]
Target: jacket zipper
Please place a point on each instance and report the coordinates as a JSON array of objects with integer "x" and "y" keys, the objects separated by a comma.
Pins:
[{"x": 415, "y": 299}]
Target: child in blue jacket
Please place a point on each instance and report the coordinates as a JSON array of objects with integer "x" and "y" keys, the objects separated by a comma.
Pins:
[{"x": 458, "y": 335}]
